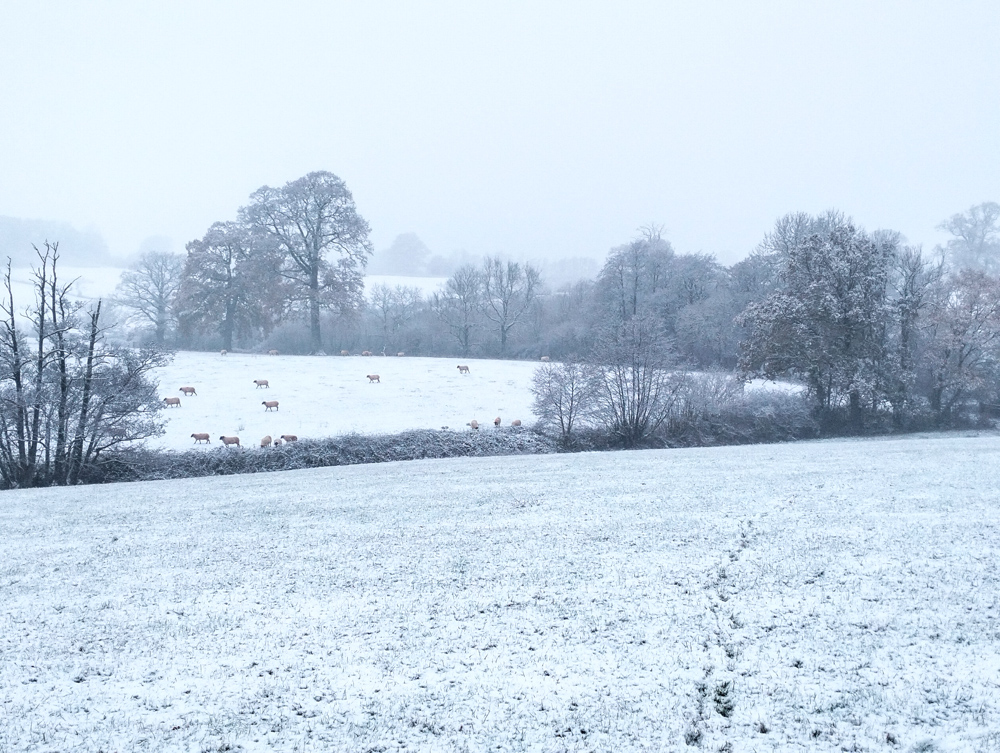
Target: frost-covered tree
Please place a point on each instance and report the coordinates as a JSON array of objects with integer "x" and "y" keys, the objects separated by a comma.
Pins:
[
  {"x": 636, "y": 386},
  {"x": 66, "y": 395},
  {"x": 635, "y": 276},
  {"x": 231, "y": 283},
  {"x": 564, "y": 395},
  {"x": 323, "y": 240},
  {"x": 975, "y": 242},
  {"x": 962, "y": 355},
  {"x": 827, "y": 323}
]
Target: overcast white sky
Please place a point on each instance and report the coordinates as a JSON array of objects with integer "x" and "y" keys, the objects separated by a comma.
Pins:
[{"x": 536, "y": 129}]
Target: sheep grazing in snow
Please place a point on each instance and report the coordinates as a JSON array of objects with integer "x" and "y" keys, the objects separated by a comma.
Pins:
[
  {"x": 366, "y": 352},
  {"x": 474, "y": 424},
  {"x": 345, "y": 352},
  {"x": 290, "y": 437},
  {"x": 188, "y": 391},
  {"x": 201, "y": 437},
  {"x": 496, "y": 421},
  {"x": 374, "y": 378},
  {"x": 272, "y": 352},
  {"x": 223, "y": 352},
  {"x": 261, "y": 383},
  {"x": 266, "y": 441},
  {"x": 463, "y": 370},
  {"x": 516, "y": 422},
  {"x": 172, "y": 402},
  {"x": 400, "y": 354},
  {"x": 230, "y": 440},
  {"x": 277, "y": 443},
  {"x": 545, "y": 359},
  {"x": 269, "y": 405}
]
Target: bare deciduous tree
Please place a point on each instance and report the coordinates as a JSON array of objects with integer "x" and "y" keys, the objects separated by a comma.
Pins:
[
  {"x": 976, "y": 241},
  {"x": 314, "y": 223},
  {"x": 393, "y": 307},
  {"x": 65, "y": 395},
  {"x": 150, "y": 288},
  {"x": 637, "y": 388},
  {"x": 231, "y": 283},
  {"x": 459, "y": 306},
  {"x": 564, "y": 395},
  {"x": 509, "y": 289}
]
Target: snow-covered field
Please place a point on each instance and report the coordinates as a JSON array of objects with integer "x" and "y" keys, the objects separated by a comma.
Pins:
[
  {"x": 828, "y": 596},
  {"x": 331, "y": 395}
]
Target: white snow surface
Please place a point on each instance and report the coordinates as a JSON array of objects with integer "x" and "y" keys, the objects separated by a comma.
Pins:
[
  {"x": 321, "y": 396},
  {"x": 817, "y": 596}
]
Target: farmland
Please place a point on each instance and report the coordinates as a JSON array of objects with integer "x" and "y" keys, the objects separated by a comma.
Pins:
[
  {"x": 327, "y": 396},
  {"x": 813, "y": 596}
]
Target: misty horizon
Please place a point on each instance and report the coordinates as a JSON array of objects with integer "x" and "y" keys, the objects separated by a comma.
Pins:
[{"x": 537, "y": 133}]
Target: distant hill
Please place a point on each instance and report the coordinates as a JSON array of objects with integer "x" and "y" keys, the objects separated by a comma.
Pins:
[{"x": 79, "y": 248}]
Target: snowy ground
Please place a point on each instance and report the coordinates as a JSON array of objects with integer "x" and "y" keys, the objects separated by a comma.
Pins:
[
  {"x": 819, "y": 596},
  {"x": 327, "y": 396}
]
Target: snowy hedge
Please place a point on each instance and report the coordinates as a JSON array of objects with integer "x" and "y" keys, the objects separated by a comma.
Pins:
[{"x": 148, "y": 465}]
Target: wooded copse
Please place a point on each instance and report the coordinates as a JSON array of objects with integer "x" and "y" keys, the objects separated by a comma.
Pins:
[{"x": 874, "y": 328}]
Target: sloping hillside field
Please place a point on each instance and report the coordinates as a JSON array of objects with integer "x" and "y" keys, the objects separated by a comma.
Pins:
[
  {"x": 327, "y": 396},
  {"x": 820, "y": 596}
]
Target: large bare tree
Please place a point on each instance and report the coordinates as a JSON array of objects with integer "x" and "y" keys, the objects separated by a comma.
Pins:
[
  {"x": 231, "y": 283},
  {"x": 509, "y": 289},
  {"x": 149, "y": 289},
  {"x": 324, "y": 241}
]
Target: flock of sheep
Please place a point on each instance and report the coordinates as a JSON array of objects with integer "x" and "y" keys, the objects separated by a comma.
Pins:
[{"x": 269, "y": 405}]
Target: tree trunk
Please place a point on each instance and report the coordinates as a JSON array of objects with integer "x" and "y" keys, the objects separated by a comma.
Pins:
[
  {"x": 76, "y": 459},
  {"x": 316, "y": 340}
]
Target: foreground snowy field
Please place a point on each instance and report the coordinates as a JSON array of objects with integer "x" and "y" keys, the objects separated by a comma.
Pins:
[
  {"x": 329, "y": 395},
  {"x": 820, "y": 596}
]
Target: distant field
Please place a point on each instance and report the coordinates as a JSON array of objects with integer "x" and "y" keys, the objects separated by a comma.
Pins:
[
  {"x": 819, "y": 596},
  {"x": 321, "y": 396}
]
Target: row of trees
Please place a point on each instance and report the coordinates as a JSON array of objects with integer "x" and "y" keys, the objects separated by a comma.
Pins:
[
  {"x": 874, "y": 330},
  {"x": 292, "y": 253}
]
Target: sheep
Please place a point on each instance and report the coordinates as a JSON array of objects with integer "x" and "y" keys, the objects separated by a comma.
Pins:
[
  {"x": 230, "y": 440},
  {"x": 463, "y": 370},
  {"x": 188, "y": 391},
  {"x": 374, "y": 378},
  {"x": 400, "y": 354},
  {"x": 366, "y": 352},
  {"x": 223, "y": 352},
  {"x": 277, "y": 443},
  {"x": 266, "y": 441},
  {"x": 269, "y": 404},
  {"x": 261, "y": 383},
  {"x": 545, "y": 359},
  {"x": 272, "y": 352},
  {"x": 474, "y": 424},
  {"x": 345, "y": 352},
  {"x": 496, "y": 421},
  {"x": 172, "y": 401},
  {"x": 516, "y": 422},
  {"x": 201, "y": 437},
  {"x": 289, "y": 437}
]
